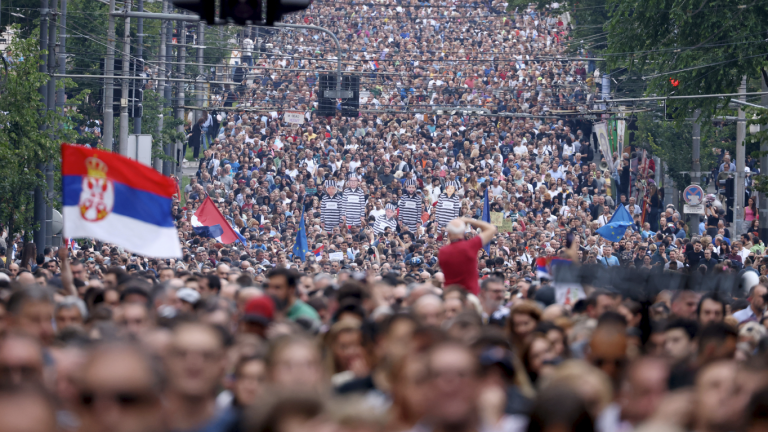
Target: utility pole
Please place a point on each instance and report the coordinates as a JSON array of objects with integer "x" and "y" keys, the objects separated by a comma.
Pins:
[
  {"x": 61, "y": 96},
  {"x": 51, "y": 102},
  {"x": 763, "y": 199},
  {"x": 200, "y": 52},
  {"x": 696, "y": 167},
  {"x": 167, "y": 95},
  {"x": 180, "y": 95},
  {"x": 39, "y": 194},
  {"x": 139, "y": 56},
  {"x": 741, "y": 134},
  {"x": 60, "y": 102},
  {"x": 109, "y": 82},
  {"x": 161, "y": 86},
  {"x": 125, "y": 83}
]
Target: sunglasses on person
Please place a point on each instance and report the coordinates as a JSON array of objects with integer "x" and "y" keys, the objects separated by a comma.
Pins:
[
  {"x": 124, "y": 398},
  {"x": 600, "y": 362}
]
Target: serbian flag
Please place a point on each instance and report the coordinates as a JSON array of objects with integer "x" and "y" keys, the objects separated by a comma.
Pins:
[
  {"x": 209, "y": 222},
  {"x": 117, "y": 200},
  {"x": 319, "y": 251},
  {"x": 542, "y": 268},
  {"x": 374, "y": 64}
]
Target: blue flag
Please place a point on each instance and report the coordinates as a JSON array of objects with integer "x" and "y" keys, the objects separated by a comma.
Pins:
[
  {"x": 486, "y": 217},
  {"x": 300, "y": 248},
  {"x": 240, "y": 237},
  {"x": 614, "y": 230},
  {"x": 212, "y": 231}
]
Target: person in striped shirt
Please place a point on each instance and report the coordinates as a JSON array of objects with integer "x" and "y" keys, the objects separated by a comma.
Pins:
[
  {"x": 411, "y": 206},
  {"x": 387, "y": 220},
  {"x": 353, "y": 202},
  {"x": 448, "y": 206},
  {"x": 330, "y": 206}
]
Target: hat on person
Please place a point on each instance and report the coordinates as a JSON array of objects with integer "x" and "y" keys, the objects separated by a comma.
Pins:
[
  {"x": 415, "y": 261},
  {"x": 259, "y": 310},
  {"x": 330, "y": 183},
  {"x": 390, "y": 206},
  {"x": 188, "y": 295},
  {"x": 411, "y": 182}
]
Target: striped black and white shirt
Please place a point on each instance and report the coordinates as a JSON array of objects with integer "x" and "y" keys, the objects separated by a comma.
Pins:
[
  {"x": 353, "y": 206},
  {"x": 447, "y": 209},
  {"x": 411, "y": 208},
  {"x": 330, "y": 210},
  {"x": 383, "y": 223}
]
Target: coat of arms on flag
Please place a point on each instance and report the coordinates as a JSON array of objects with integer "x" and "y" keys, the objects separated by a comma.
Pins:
[{"x": 98, "y": 195}]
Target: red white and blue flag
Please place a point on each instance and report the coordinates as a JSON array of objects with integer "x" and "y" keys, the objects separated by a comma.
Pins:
[
  {"x": 319, "y": 251},
  {"x": 209, "y": 222},
  {"x": 374, "y": 64},
  {"x": 118, "y": 200}
]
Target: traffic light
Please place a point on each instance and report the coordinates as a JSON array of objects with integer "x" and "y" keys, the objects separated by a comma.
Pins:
[
  {"x": 116, "y": 95},
  {"x": 243, "y": 12},
  {"x": 326, "y": 107},
  {"x": 205, "y": 8},
  {"x": 135, "y": 105},
  {"x": 727, "y": 188},
  {"x": 351, "y": 107}
]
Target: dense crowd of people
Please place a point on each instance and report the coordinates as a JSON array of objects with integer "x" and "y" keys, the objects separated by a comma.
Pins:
[{"x": 407, "y": 310}]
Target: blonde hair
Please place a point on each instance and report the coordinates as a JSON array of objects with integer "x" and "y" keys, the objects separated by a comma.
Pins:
[{"x": 582, "y": 377}]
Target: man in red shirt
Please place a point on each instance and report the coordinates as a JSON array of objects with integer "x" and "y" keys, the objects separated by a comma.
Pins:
[{"x": 458, "y": 260}]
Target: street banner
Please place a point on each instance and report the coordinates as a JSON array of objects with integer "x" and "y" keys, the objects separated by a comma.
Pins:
[{"x": 601, "y": 129}]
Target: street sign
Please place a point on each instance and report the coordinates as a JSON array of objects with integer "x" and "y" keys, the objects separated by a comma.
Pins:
[
  {"x": 693, "y": 195},
  {"x": 693, "y": 209}
]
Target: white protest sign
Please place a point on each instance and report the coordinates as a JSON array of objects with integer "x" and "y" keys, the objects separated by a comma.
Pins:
[
  {"x": 294, "y": 117},
  {"x": 336, "y": 256}
]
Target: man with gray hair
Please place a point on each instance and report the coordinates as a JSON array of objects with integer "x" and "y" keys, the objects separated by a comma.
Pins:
[
  {"x": 458, "y": 260},
  {"x": 69, "y": 312}
]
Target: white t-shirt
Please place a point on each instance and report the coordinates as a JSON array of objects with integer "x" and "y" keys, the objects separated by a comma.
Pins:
[
  {"x": 247, "y": 46},
  {"x": 377, "y": 213}
]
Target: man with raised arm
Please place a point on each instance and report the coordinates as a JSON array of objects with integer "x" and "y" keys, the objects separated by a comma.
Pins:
[{"x": 458, "y": 260}]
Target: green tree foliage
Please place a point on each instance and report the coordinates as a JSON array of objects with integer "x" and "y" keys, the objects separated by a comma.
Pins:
[
  {"x": 29, "y": 135},
  {"x": 705, "y": 46},
  {"x": 153, "y": 108},
  {"x": 671, "y": 142}
]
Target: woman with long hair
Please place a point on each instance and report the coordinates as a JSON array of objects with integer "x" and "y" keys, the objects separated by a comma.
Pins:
[
  {"x": 522, "y": 321},
  {"x": 28, "y": 256},
  {"x": 750, "y": 210},
  {"x": 343, "y": 350},
  {"x": 655, "y": 201}
]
